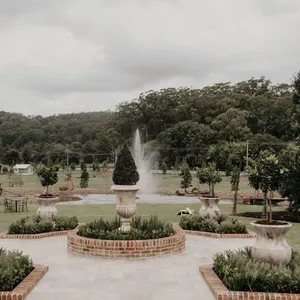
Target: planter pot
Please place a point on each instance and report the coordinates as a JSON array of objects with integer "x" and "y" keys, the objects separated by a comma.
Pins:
[
  {"x": 125, "y": 205},
  {"x": 47, "y": 208},
  {"x": 209, "y": 208},
  {"x": 271, "y": 245}
]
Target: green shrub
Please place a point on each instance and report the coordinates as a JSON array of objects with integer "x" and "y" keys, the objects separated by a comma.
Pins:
[
  {"x": 14, "y": 267},
  {"x": 151, "y": 228},
  {"x": 222, "y": 225},
  {"x": 239, "y": 272},
  {"x": 34, "y": 226}
]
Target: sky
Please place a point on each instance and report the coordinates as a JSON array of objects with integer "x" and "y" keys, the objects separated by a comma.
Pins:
[{"x": 64, "y": 56}]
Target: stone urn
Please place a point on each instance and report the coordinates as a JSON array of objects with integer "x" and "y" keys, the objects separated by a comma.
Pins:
[
  {"x": 209, "y": 208},
  {"x": 47, "y": 208},
  {"x": 270, "y": 244},
  {"x": 125, "y": 205}
]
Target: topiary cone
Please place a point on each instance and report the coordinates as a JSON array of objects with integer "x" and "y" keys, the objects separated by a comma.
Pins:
[{"x": 125, "y": 172}]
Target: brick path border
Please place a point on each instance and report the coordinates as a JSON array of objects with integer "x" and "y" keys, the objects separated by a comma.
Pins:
[
  {"x": 221, "y": 292},
  {"x": 133, "y": 249},
  {"x": 26, "y": 286},
  {"x": 33, "y": 236},
  {"x": 221, "y": 236}
]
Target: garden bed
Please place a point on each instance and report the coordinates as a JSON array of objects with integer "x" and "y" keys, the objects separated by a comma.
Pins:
[
  {"x": 127, "y": 249},
  {"x": 221, "y": 228},
  {"x": 276, "y": 215},
  {"x": 26, "y": 285},
  {"x": 32, "y": 228},
  {"x": 236, "y": 275}
]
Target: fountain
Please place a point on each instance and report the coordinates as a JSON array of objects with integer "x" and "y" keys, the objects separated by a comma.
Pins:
[{"x": 143, "y": 164}]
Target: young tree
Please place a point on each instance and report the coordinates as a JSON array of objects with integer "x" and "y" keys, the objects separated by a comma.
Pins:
[
  {"x": 84, "y": 179},
  {"x": 47, "y": 176},
  {"x": 266, "y": 174},
  {"x": 186, "y": 176},
  {"x": 73, "y": 166},
  {"x": 15, "y": 180},
  {"x": 210, "y": 176},
  {"x": 164, "y": 167},
  {"x": 125, "y": 172}
]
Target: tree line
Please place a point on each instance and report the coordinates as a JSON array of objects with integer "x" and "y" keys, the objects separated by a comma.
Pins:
[{"x": 195, "y": 126}]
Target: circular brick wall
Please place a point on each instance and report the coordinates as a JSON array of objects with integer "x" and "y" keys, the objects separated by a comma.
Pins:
[{"x": 133, "y": 249}]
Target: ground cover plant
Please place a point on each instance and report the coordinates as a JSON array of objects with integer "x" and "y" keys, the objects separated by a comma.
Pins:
[
  {"x": 14, "y": 267},
  {"x": 223, "y": 225},
  {"x": 151, "y": 228},
  {"x": 32, "y": 225},
  {"x": 240, "y": 272}
]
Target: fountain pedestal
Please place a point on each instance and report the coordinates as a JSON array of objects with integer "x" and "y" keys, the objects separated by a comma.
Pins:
[{"x": 125, "y": 205}]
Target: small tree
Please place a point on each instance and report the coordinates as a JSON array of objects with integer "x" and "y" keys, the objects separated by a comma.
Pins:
[
  {"x": 186, "y": 176},
  {"x": 4, "y": 170},
  {"x": 125, "y": 172},
  {"x": 209, "y": 175},
  {"x": 47, "y": 176},
  {"x": 164, "y": 167},
  {"x": 15, "y": 180},
  {"x": 72, "y": 166},
  {"x": 84, "y": 179},
  {"x": 82, "y": 166},
  {"x": 266, "y": 174}
]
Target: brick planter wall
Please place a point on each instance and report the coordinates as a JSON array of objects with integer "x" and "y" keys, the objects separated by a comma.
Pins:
[
  {"x": 134, "y": 249},
  {"x": 222, "y": 293},
  {"x": 221, "y": 236},
  {"x": 26, "y": 286},
  {"x": 33, "y": 236}
]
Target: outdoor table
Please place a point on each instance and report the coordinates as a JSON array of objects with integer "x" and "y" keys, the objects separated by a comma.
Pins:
[{"x": 16, "y": 201}]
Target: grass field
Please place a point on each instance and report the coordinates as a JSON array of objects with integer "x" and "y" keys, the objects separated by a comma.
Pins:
[
  {"x": 87, "y": 213},
  {"x": 165, "y": 184}
]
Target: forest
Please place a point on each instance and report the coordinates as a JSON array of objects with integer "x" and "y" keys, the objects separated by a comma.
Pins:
[{"x": 179, "y": 123}]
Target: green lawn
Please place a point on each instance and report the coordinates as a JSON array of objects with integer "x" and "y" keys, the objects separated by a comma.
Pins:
[
  {"x": 87, "y": 213},
  {"x": 165, "y": 184}
]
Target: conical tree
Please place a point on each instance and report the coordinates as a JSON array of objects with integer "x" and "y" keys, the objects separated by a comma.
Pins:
[{"x": 125, "y": 172}]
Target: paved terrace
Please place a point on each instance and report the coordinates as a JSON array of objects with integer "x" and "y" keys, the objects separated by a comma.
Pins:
[{"x": 73, "y": 277}]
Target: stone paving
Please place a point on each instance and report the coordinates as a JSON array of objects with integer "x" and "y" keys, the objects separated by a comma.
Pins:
[{"x": 74, "y": 277}]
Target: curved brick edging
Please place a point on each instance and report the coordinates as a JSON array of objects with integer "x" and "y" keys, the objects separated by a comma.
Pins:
[
  {"x": 26, "y": 286},
  {"x": 221, "y": 292},
  {"x": 221, "y": 236},
  {"x": 33, "y": 236},
  {"x": 133, "y": 249}
]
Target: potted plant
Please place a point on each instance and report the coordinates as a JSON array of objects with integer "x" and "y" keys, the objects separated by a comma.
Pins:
[
  {"x": 47, "y": 201},
  {"x": 209, "y": 208},
  {"x": 270, "y": 245},
  {"x": 125, "y": 177}
]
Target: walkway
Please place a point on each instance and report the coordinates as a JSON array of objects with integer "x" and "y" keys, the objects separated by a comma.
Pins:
[{"x": 168, "y": 278}]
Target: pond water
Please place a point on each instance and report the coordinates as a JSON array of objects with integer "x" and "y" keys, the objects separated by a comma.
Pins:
[{"x": 150, "y": 199}]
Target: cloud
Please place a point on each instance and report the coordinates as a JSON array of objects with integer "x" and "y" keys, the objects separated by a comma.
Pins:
[{"x": 68, "y": 56}]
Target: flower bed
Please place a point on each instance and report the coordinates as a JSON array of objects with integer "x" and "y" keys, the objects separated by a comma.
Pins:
[
  {"x": 233, "y": 272},
  {"x": 127, "y": 249},
  {"x": 32, "y": 228},
  {"x": 221, "y": 228}
]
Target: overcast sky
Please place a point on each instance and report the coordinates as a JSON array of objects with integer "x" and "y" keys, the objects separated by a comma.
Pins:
[{"x": 60, "y": 56}]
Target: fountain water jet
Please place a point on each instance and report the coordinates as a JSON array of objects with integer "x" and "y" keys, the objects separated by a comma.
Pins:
[{"x": 143, "y": 164}]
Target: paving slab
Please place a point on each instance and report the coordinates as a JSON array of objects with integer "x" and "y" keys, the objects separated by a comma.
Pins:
[{"x": 77, "y": 277}]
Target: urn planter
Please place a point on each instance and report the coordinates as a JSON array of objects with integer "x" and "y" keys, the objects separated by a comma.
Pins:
[
  {"x": 270, "y": 244},
  {"x": 125, "y": 205},
  {"x": 209, "y": 208},
  {"x": 47, "y": 208}
]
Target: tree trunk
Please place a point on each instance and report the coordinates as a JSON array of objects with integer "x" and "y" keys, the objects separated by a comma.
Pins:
[
  {"x": 47, "y": 190},
  {"x": 213, "y": 190},
  {"x": 209, "y": 188},
  {"x": 264, "y": 214},
  {"x": 236, "y": 188},
  {"x": 270, "y": 205}
]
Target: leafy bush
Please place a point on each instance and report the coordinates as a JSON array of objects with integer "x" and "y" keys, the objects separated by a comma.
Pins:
[
  {"x": 151, "y": 228},
  {"x": 239, "y": 272},
  {"x": 34, "y": 225},
  {"x": 14, "y": 267},
  {"x": 223, "y": 225}
]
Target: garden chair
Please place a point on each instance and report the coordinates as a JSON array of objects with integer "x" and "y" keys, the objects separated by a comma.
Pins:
[
  {"x": 23, "y": 205},
  {"x": 8, "y": 206}
]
